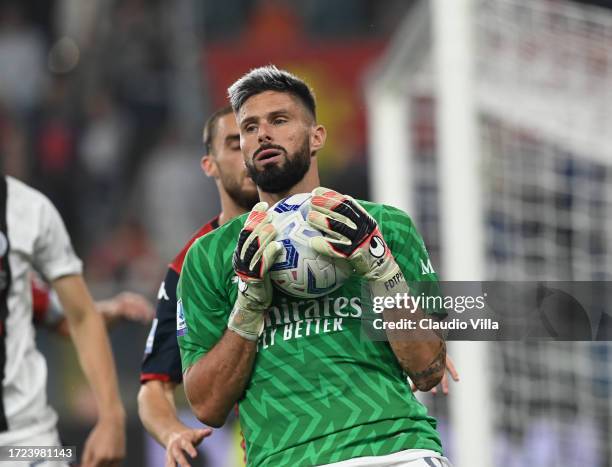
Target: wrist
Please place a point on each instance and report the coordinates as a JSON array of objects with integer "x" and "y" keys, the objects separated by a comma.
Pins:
[
  {"x": 254, "y": 295},
  {"x": 387, "y": 270},
  {"x": 245, "y": 322},
  {"x": 390, "y": 284},
  {"x": 115, "y": 416}
]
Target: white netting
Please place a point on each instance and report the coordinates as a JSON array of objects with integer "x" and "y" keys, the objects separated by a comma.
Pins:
[
  {"x": 544, "y": 96},
  {"x": 546, "y": 65}
]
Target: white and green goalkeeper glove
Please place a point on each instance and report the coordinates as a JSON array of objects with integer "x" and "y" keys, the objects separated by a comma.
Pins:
[
  {"x": 255, "y": 253},
  {"x": 351, "y": 233}
]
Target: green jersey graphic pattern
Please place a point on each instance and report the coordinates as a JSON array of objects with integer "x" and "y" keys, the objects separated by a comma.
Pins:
[{"x": 320, "y": 392}]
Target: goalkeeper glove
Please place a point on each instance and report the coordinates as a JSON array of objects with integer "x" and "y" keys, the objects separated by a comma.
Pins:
[
  {"x": 255, "y": 253},
  {"x": 351, "y": 233}
]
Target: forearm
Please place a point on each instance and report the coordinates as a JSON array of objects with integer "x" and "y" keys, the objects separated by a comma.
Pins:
[
  {"x": 420, "y": 352},
  {"x": 92, "y": 345},
  {"x": 218, "y": 380},
  {"x": 157, "y": 410},
  {"x": 96, "y": 360},
  {"x": 353, "y": 234},
  {"x": 423, "y": 361}
]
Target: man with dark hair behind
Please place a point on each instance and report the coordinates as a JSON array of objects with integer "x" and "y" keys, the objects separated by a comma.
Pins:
[
  {"x": 320, "y": 396},
  {"x": 161, "y": 368}
]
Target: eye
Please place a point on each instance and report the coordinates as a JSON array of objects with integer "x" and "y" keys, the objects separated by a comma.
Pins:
[
  {"x": 250, "y": 128},
  {"x": 279, "y": 120}
]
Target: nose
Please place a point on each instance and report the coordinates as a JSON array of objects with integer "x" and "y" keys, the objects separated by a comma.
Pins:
[{"x": 263, "y": 135}]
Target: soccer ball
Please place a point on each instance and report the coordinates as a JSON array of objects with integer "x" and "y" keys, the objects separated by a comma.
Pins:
[{"x": 299, "y": 270}]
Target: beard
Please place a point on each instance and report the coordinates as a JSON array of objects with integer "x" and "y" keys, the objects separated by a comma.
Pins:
[
  {"x": 279, "y": 178},
  {"x": 233, "y": 185}
]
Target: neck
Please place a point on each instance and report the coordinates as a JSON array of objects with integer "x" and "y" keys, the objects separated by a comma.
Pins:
[
  {"x": 305, "y": 185},
  {"x": 229, "y": 208}
]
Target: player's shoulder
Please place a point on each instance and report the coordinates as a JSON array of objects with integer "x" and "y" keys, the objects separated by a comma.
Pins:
[
  {"x": 27, "y": 205},
  {"x": 220, "y": 242},
  {"x": 18, "y": 190},
  {"x": 177, "y": 263},
  {"x": 224, "y": 236},
  {"x": 385, "y": 212}
]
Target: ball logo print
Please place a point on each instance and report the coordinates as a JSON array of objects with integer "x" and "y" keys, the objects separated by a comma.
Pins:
[
  {"x": 299, "y": 270},
  {"x": 377, "y": 247}
]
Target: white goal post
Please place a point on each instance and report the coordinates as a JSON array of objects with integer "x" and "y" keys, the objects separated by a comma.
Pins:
[{"x": 490, "y": 122}]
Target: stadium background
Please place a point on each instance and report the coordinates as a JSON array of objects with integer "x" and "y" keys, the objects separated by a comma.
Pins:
[{"x": 101, "y": 108}]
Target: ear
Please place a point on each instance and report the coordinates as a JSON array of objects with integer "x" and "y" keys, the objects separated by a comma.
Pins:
[
  {"x": 318, "y": 135},
  {"x": 208, "y": 166}
]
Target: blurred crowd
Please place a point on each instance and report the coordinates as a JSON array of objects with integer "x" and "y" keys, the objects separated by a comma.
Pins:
[
  {"x": 88, "y": 113},
  {"x": 101, "y": 108}
]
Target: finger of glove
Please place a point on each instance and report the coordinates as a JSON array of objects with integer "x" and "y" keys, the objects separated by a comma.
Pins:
[
  {"x": 345, "y": 208},
  {"x": 324, "y": 246},
  {"x": 321, "y": 190},
  {"x": 261, "y": 206},
  {"x": 266, "y": 235},
  {"x": 334, "y": 229},
  {"x": 256, "y": 218},
  {"x": 338, "y": 212},
  {"x": 352, "y": 209},
  {"x": 269, "y": 255},
  {"x": 256, "y": 237}
]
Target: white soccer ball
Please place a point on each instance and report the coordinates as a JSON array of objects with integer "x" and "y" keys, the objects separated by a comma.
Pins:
[{"x": 299, "y": 270}]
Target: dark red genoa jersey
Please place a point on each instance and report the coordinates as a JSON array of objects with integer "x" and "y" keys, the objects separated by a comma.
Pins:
[{"x": 162, "y": 360}]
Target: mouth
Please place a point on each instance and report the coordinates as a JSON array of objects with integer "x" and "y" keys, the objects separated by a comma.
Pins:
[{"x": 268, "y": 154}]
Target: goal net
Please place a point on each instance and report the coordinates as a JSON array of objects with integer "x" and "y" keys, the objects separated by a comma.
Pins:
[{"x": 542, "y": 90}]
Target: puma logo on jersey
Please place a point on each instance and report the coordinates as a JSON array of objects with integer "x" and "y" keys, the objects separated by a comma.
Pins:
[{"x": 162, "y": 292}]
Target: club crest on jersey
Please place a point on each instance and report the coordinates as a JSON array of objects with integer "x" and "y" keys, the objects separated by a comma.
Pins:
[
  {"x": 377, "y": 247},
  {"x": 181, "y": 324}
]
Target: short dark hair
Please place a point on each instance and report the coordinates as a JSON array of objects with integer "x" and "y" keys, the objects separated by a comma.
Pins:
[
  {"x": 270, "y": 78},
  {"x": 210, "y": 127}
]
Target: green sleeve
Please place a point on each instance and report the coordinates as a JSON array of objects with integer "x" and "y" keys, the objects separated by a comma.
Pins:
[
  {"x": 410, "y": 252},
  {"x": 203, "y": 306}
]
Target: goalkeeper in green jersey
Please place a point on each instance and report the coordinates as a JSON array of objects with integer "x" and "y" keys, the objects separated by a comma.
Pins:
[{"x": 311, "y": 389}]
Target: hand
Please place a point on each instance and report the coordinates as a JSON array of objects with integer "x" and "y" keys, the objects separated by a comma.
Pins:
[
  {"x": 450, "y": 370},
  {"x": 105, "y": 445},
  {"x": 131, "y": 306},
  {"x": 351, "y": 233},
  {"x": 255, "y": 253},
  {"x": 184, "y": 441}
]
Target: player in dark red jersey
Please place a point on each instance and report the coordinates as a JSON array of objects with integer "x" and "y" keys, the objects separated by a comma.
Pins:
[{"x": 161, "y": 368}]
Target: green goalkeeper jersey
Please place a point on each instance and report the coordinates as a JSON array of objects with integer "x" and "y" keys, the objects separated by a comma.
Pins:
[{"x": 320, "y": 390}]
